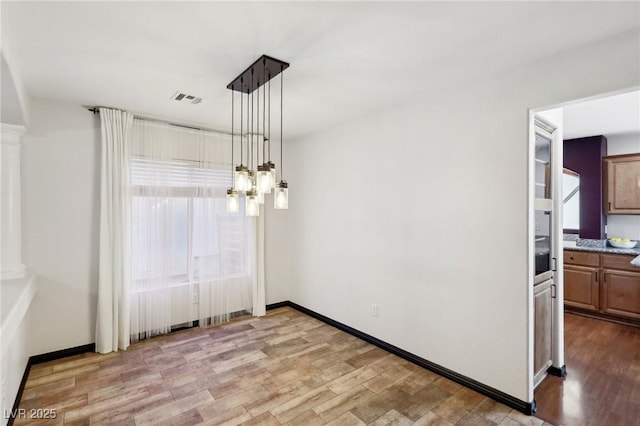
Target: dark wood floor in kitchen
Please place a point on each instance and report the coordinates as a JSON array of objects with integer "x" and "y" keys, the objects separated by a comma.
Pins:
[
  {"x": 602, "y": 387},
  {"x": 284, "y": 368}
]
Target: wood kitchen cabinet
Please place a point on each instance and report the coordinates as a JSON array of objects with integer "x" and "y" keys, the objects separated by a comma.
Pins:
[
  {"x": 622, "y": 184},
  {"x": 542, "y": 306},
  {"x": 621, "y": 286},
  {"x": 581, "y": 288},
  {"x": 603, "y": 284}
]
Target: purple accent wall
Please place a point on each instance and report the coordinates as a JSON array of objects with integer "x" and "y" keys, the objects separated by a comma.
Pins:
[{"x": 584, "y": 155}]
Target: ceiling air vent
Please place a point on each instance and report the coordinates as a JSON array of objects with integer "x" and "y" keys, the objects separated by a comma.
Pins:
[{"x": 183, "y": 97}]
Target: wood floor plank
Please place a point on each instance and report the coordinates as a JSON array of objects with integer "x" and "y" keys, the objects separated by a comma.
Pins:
[
  {"x": 227, "y": 403},
  {"x": 492, "y": 410},
  {"x": 307, "y": 418},
  {"x": 347, "y": 419},
  {"x": 122, "y": 413},
  {"x": 392, "y": 418},
  {"x": 344, "y": 402},
  {"x": 292, "y": 408},
  {"x": 432, "y": 419},
  {"x": 352, "y": 379},
  {"x": 35, "y": 391},
  {"x": 264, "y": 419},
  {"x": 54, "y": 377},
  {"x": 106, "y": 404},
  {"x": 174, "y": 408}
]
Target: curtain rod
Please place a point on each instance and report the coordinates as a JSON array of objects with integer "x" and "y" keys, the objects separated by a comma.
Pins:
[{"x": 96, "y": 110}]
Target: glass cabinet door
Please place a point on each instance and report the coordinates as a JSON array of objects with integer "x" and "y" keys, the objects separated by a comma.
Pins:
[{"x": 543, "y": 205}]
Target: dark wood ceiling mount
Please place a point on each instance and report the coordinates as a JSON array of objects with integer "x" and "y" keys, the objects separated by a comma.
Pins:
[{"x": 264, "y": 69}]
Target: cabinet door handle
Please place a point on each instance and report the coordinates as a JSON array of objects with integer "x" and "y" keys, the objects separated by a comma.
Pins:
[
  {"x": 596, "y": 277},
  {"x": 609, "y": 205}
]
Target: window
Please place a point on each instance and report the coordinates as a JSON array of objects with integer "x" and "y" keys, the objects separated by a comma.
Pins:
[
  {"x": 181, "y": 232},
  {"x": 571, "y": 201}
]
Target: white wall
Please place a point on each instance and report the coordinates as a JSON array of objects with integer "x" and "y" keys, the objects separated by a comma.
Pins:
[
  {"x": 423, "y": 210},
  {"x": 61, "y": 211},
  {"x": 278, "y": 265},
  {"x": 623, "y": 143},
  {"x": 623, "y": 226},
  {"x": 16, "y": 298}
]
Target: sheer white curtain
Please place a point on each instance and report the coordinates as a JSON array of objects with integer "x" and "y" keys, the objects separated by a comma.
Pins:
[
  {"x": 191, "y": 260},
  {"x": 112, "y": 324}
]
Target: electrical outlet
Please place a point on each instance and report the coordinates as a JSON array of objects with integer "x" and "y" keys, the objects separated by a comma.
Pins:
[
  {"x": 196, "y": 296},
  {"x": 537, "y": 226},
  {"x": 374, "y": 310}
]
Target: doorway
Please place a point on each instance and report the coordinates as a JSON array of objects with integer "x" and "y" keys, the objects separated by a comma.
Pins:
[{"x": 600, "y": 383}]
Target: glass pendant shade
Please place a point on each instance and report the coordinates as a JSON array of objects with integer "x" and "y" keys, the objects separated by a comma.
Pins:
[
  {"x": 263, "y": 179},
  {"x": 252, "y": 206},
  {"x": 260, "y": 197},
  {"x": 281, "y": 196},
  {"x": 242, "y": 179},
  {"x": 251, "y": 182},
  {"x": 233, "y": 201},
  {"x": 274, "y": 180}
]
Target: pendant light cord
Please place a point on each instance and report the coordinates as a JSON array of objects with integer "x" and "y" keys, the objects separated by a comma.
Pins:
[
  {"x": 232, "y": 129},
  {"x": 257, "y": 128},
  {"x": 264, "y": 112},
  {"x": 281, "y": 146},
  {"x": 250, "y": 152},
  {"x": 269, "y": 140},
  {"x": 248, "y": 127},
  {"x": 241, "y": 121}
]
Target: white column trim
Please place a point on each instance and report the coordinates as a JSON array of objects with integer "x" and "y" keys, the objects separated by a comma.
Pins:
[
  {"x": 11, "y": 133},
  {"x": 11, "y": 202}
]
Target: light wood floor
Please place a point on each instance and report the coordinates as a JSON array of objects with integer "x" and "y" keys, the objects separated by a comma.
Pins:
[
  {"x": 284, "y": 368},
  {"x": 602, "y": 386}
]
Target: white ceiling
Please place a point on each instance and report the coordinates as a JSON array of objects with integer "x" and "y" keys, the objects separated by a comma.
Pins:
[
  {"x": 347, "y": 59},
  {"x": 604, "y": 116}
]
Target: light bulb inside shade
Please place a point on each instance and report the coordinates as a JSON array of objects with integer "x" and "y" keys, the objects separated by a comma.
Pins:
[
  {"x": 241, "y": 179},
  {"x": 274, "y": 177},
  {"x": 252, "y": 206},
  {"x": 251, "y": 181},
  {"x": 263, "y": 180},
  {"x": 281, "y": 196},
  {"x": 233, "y": 201}
]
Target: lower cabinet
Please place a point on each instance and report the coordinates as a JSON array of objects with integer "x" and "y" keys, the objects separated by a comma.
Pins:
[
  {"x": 581, "y": 287},
  {"x": 542, "y": 305},
  {"x": 621, "y": 293},
  {"x": 603, "y": 284}
]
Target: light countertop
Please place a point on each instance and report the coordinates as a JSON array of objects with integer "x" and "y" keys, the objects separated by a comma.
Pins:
[{"x": 597, "y": 246}]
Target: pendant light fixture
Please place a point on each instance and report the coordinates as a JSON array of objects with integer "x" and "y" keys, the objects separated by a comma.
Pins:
[
  {"x": 281, "y": 197},
  {"x": 258, "y": 178},
  {"x": 233, "y": 203},
  {"x": 242, "y": 173}
]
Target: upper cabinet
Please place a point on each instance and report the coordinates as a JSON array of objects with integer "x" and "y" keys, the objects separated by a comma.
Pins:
[{"x": 622, "y": 184}]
